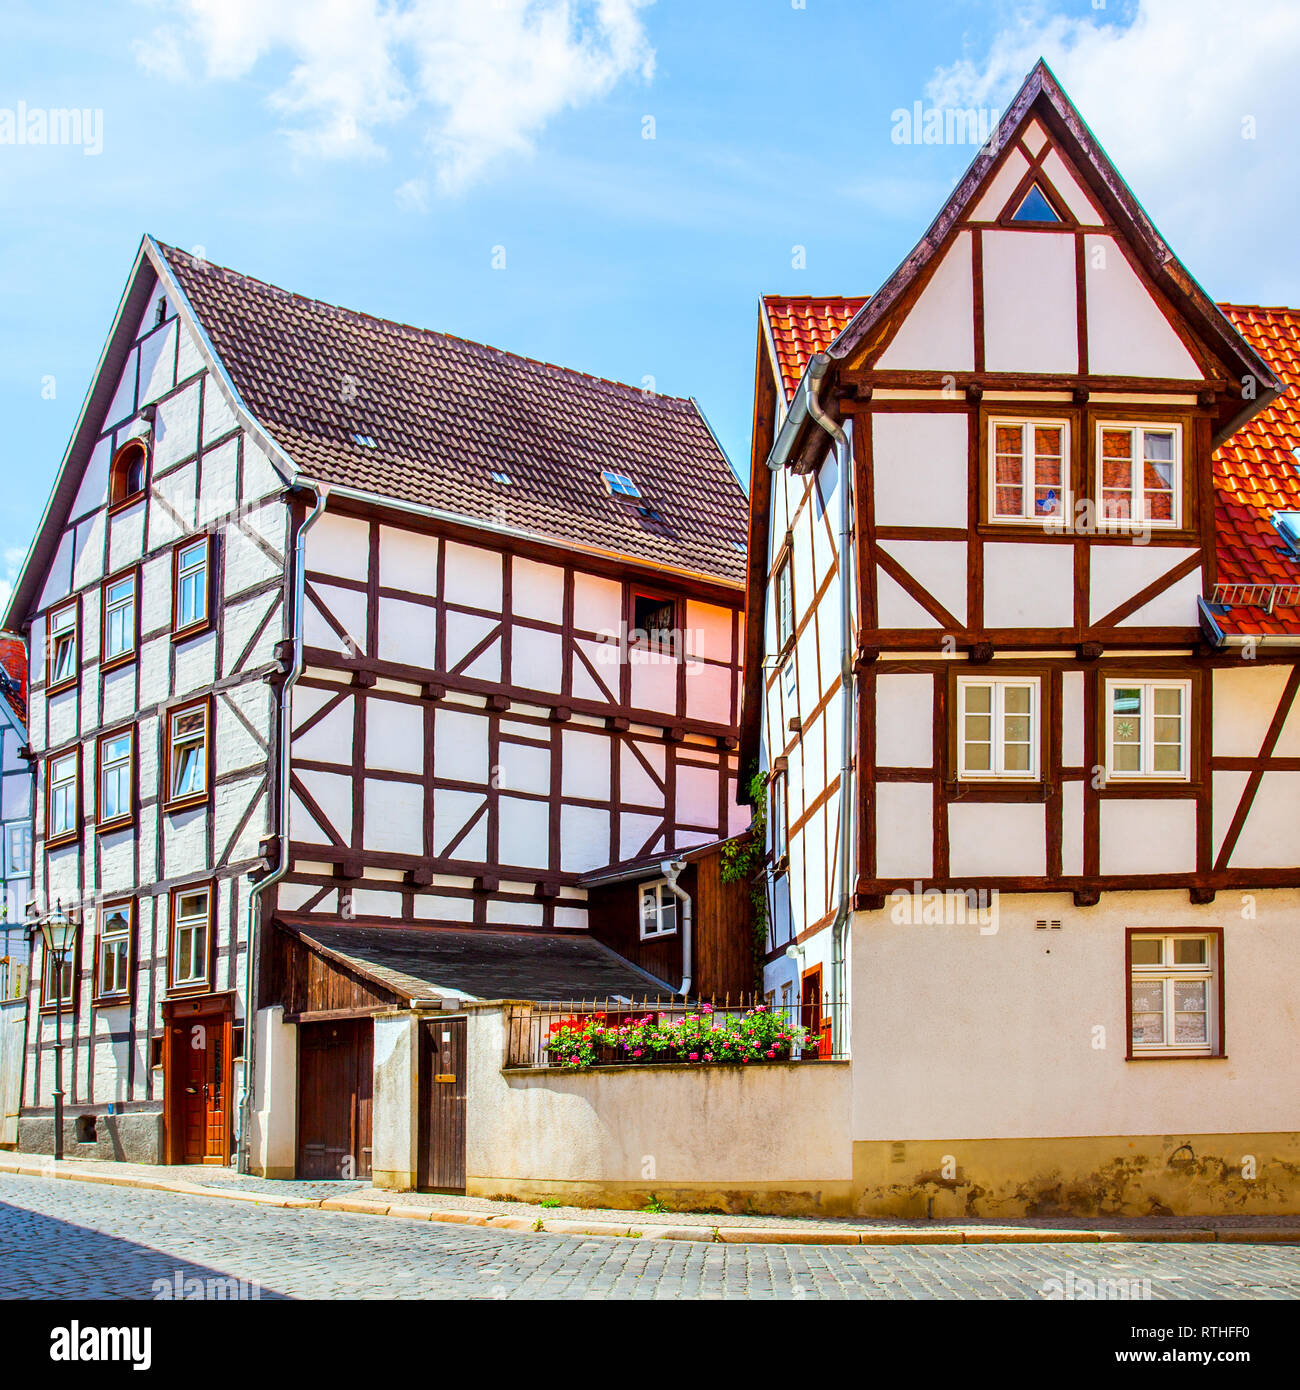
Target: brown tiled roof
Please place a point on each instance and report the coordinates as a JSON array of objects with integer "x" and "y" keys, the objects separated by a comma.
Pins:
[
  {"x": 13, "y": 672},
  {"x": 444, "y": 413}
]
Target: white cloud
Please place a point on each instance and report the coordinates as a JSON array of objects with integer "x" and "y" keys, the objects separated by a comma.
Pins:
[
  {"x": 10, "y": 563},
  {"x": 1169, "y": 94},
  {"x": 483, "y": 78}
]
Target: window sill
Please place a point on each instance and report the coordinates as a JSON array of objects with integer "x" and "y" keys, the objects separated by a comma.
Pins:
[
  {"x": 107, "y": 827},
  {"x": 1177, "y": 1057},
  {"x": 110, "y": 1001},
  {"x": 70, "y": 683},
  {"x": 183, "y": 634},
  {"x": 123, "y": 503},
  {"x": 49, "y": 1010},
  {"x": 187, "y": 990},
  {"x": 115, "y": 663},
  {"x": 66, "y": 837},
  {"x": 660, "y": 935},
  {"x": 185, "y": 803}
]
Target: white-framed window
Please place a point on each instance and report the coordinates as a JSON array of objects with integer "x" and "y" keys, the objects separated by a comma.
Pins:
[
  {"x": 784, "y": 604},
  {"x": 191, "y": 585},
  {"x": 1174, "y": 993},
  {"x": 116, "y": 799},
  {"x": 188, "y": 741},
  {"x": 620, "y": 485},
  {"x": 62, "y": 638},
  {"x": 119, "y": 617},
  {"x": 61, "y": 810},
  {"x": 191, "y": 923},
  {"x": 1029, "y": 469},
  {"x": 114, "y": 950},
  {"x": 779, "y": 817},
  {"x": 658, "y": 910},
  {"x": 1148, "y": 726},
  {"x": 17, "y": 849},
  {"x": 1139, "y": 473},
  {"x": 998, "y": 728}
]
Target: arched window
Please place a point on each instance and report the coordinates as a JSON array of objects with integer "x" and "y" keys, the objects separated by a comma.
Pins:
[{"x": 126, "y": 479}]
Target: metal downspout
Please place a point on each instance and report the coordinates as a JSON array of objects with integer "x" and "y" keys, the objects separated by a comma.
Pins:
[
  {"x": 844, "y": 454},
  {"x": 276, "y": 874},
  {"x": 671, "y": 868}
]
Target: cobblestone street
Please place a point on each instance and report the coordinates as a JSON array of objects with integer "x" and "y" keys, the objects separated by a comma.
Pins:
[{"x": 70, "y": 1239}]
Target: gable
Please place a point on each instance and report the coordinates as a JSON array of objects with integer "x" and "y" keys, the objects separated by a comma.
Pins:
[{"x": 1035, "y": 277}]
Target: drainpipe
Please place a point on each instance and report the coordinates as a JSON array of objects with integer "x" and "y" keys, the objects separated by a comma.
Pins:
[
  {"x": 276, "y": 874},
  {"x": 843, "y": 913},
  {"x": 671, "y": 868}
]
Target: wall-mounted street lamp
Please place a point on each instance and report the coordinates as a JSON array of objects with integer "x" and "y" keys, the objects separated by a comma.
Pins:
[{"x": 59, "y": 933}]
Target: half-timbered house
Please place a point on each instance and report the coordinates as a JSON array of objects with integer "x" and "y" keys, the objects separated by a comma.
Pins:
[
  {"x": 367, "y": 645},
  {"x": 1021, "y": 667}
]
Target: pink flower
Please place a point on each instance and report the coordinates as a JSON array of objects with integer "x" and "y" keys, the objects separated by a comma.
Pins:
[
  {"x": 637, "y": 1053},
  {"x": 695, "y": 1056},
  {"x": 708, "y": 1056},
  {"x": 708, "y": 1009},
  {"x": 772, "y": 1052}
]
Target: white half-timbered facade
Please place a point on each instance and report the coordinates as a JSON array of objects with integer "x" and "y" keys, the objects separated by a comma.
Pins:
[
  {"x": 347, "y": 633},
  {"x": 1057, "y": 918}
]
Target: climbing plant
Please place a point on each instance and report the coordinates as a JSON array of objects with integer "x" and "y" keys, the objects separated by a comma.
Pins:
[{"x": 743, "y": 861}]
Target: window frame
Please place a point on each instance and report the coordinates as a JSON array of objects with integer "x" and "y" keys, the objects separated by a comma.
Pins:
[
  {"x": 120, "y": 501},
  {"x": 68, "y": 1003},
  {"x": 778, "y": 787},
  {"x": 122, "y": 818},
  {"x": 1137, "y": 492},
  {"x": 646, "y": 642},
  {"x": 783, "y": 586},
  {"x": 8, "y": 870},
  {"x": 1145, "y": 682},
  {"x": 123, "y": 994},
  {"x": 1212, "y": 974},
  {"x": 193, "y": 986},
  {"x": 994, "y": 776},
  {"x": 664, "y": 898},
  {"x": 1059, "y": 520},
  {"x": 172, "y": 801},
  {"x": 110, "y": 661},
  {"x": 205, "y": 622},
  {"x": 70, "y": 835},
  {"x": 68, "y": 682}
]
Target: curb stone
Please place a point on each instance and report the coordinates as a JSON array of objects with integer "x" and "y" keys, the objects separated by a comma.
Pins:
[{"x": 729, "y": 1235}]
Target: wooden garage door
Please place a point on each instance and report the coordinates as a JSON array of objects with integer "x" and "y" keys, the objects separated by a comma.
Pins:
[
  {"x": 335, "y": 1082},
  {"x": 442, "y": 1105}
]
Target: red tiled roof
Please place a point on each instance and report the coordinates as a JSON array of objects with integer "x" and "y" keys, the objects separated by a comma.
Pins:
[
  {"x": 444, "y": 413},
  {"x": 1255, "y": 472},
  {"x": 803, "y": 324},
  {"x": 13, "y": 672}
]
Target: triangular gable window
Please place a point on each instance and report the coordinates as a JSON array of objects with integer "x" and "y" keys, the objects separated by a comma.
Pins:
[{"x": 1034, "y": 207}]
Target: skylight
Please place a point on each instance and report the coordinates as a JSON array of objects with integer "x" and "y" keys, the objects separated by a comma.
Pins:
[
  {"x": 1288, "y": 523},
  {"x": 1034, "y": 207},
  {"x": 620, "y": 485},
  {"x": 364, "y": 440},
  {"x": 499, "y": 475}
]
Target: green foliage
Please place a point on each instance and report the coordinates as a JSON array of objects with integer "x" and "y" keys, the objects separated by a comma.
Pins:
[
  {"x": 549, "y": 1202},
  {"x": 743, "y": 860},
  {"x": 655, "y": 1205}
]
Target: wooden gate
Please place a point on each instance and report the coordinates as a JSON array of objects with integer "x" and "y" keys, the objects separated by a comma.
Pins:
[
  {"x": 335, "y": 1085},
  {"x": 443, "y": 1056}
]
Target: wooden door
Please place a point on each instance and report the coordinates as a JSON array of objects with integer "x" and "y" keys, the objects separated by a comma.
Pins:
[
  {"x": 810, "y": 1012},
  {"x": 443, "y": 1056},
  {"x": 335, "y": 1085},
  {"x": 200, "y": 1071}
]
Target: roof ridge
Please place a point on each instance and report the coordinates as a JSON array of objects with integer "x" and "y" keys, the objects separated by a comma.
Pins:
[
  {"x": 1265, "y": 308},
  {"x": 422, "y": 332}
]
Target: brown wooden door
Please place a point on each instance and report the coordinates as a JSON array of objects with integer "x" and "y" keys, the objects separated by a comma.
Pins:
[
  {"x": 335, "y": 1085},
  {"x": 200, "y": 1070},
  {"x": 810, "y": 1012},
  {"x": 443, "y": 1055}
]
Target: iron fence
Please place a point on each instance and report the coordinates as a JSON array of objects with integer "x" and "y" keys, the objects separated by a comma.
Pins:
[{"x": 576, "y": 1036}]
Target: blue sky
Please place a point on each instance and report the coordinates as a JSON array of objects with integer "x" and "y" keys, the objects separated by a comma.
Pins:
[{"x": 374, "y": 155}]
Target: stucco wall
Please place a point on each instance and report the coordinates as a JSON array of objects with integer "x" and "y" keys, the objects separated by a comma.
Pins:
[{"x": 772, "y": 1138}]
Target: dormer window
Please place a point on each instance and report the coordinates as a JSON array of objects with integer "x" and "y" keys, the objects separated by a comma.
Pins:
[
  {"x": 127, "y": 475},
  {"x": 1288, "y": 525},
  {"x": 620, "y": 485}
]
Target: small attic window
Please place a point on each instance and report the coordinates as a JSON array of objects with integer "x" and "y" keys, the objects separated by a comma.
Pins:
[
  {"x": 364, "y": 440},
  {"x": 127, "y": 475},
  {"x": 650, "y": 512},
  {"x": 1288, "y": 524},
  {"x": 499, "y": 475},
  {"x": 620, "y": 485},
  {"x": 160, "y": 312},
  {"x": 740, "y": 547},
  {"x": 1034, "y": 207}
]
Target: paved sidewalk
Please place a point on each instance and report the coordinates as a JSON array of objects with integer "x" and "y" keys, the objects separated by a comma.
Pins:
[{"x": 361, "y": 1197}]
